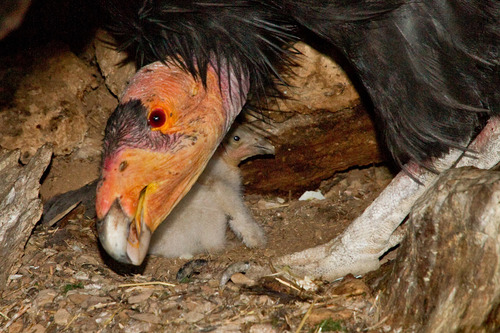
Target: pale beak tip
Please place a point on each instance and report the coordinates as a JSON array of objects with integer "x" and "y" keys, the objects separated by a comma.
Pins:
[{"x": 114, "y": 232}]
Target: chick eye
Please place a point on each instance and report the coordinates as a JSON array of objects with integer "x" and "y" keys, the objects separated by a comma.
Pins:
[
  {"x": 236, "y": 138},
  {"x": 157, "y": 118}
]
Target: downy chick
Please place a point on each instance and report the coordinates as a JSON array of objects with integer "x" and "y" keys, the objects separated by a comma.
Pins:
[{"x": 198, "y": 223}]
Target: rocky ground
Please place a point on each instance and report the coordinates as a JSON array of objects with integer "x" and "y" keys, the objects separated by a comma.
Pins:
[{"x": 67, "y": 283}]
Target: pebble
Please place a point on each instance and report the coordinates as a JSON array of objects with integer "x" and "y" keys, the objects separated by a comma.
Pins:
[
  {"x": 242, "y": 279},
  {"x": 262, "y": 328},
  {"x": 62, "y": 317},
  {"x": 37, "y": 328},
  {"x": 140, "y": 297},
  {"x": 81, "y": 276},
  {"x": 146, "y": 317},
  {"x": 78, "y": 298},
  {"x": 44, "y": 297},
  {"x": 193, "y": 316},
  {"x": 311, "y": 195},
  {"x": 264, "y": 204}
]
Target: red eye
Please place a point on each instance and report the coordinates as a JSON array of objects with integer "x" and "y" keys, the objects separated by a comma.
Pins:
[{"x": 157, "y": 118}]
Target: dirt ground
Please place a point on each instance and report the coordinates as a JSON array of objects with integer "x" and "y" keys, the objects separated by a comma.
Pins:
[{"x": 67, "y": 282}]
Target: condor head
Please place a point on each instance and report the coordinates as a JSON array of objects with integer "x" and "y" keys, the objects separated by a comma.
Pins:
[{"x": 157, "y": 142}]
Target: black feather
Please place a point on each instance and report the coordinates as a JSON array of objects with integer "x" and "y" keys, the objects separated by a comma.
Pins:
[
  {"x": 249, "y": 36},
  {"x": 430, "y": 68}
]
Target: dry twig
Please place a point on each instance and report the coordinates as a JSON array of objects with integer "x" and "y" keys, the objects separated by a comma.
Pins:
[
  {"x": 303, "y": 321},
  {"x": 152, "y": 283}
]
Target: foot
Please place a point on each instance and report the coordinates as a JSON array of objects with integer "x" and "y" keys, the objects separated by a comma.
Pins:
[{"x": 359, "y": 248}]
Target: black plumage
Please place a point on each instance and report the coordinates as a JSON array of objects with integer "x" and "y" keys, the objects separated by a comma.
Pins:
[
  {"x": 251, "y": 36},
  {"x": 430, "y": 67}
]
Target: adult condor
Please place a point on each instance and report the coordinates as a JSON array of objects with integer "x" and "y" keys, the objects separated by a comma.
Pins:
[{"x": 430, "y": 69}]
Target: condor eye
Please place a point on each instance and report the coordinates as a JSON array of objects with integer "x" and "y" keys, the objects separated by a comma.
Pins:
[{"x": 157, "y": 118}]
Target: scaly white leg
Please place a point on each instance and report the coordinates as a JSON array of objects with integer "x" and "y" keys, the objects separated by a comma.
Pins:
[{"x": 358, "y": 249}]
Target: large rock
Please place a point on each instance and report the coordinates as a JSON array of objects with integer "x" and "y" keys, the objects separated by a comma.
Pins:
[
  {"x": 447, "y": 274},
  {"x": 319, "y": 129},
  {"x": 115, "y": 67},
  {"x": 311, "y": 148},
  {"x": 317, "y": 83},
  {"x": 20, "y": 205},
  {"x": 41, "y": 100},
  {"x": 49, "y": 95}
]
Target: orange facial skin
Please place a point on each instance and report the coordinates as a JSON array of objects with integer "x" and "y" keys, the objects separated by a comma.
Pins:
[{"x": 147, "y": 168}]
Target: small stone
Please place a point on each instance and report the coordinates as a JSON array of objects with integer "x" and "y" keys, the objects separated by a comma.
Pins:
[
  {"x": 62, "y": 317},
  {"x": 213, "y": 283},
  {"x": 81, "y": 276},
  {"x": 193, "y": 316},
  {"x": 45, "y": 296},
  {"x": 76, "y": 248},
  {"x": 37, "y": 328},
  {"x": 94, "y": 301},
  {"x": 140, "y": 297},
  {"x": 192, "y": 305},
  {"x": 264, "y": 204},
  {"x": 103, "y": 317},
  {"x": 352, "y": 287},
  {"x": 93, "y": 286},
  {"x": 311, "y": 195},
  {"x": 262, "y": 328},
  {"x": 242, "y": 279},
  {"x": 78, "y": 298},
  {"x": 146, "y": 317},
  {"x": 86, "y": 259},
  {"x": 138, "y": 327}
]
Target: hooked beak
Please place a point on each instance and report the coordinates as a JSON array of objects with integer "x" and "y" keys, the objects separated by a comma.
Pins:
[
  {"x": 133, "y": 202},
  {"x": 125, "y": 240}
]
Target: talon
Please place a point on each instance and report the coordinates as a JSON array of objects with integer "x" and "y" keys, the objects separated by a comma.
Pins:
[{"x": 190, "y": 268}]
